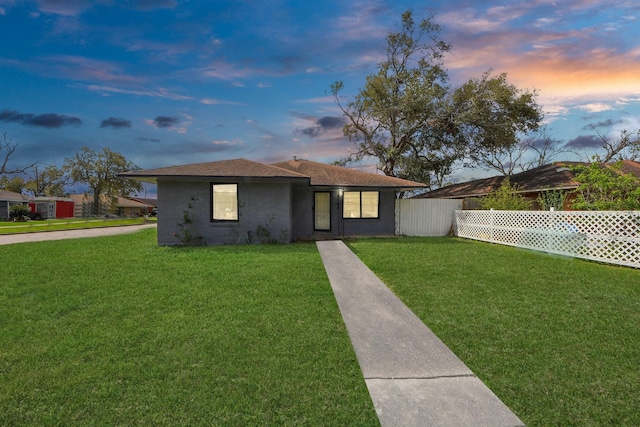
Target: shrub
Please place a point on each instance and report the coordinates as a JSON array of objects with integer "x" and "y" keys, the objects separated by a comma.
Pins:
[
  {"x": 18, "y": 212},
  {"x": 505, "y": 198}
]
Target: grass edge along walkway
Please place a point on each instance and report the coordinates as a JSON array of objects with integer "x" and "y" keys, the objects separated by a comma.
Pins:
[
  {"x": 10, "y": 227},
  {"x": 557, "y": 339},
  {"x": 116, "y": 330}
]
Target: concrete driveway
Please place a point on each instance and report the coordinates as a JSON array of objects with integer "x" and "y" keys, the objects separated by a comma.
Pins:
[{"x": 70, "y": 234}]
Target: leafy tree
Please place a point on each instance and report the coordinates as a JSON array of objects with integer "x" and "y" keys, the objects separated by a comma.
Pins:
[
  {"x": 51, "y": 181},
  {"x": 491, "y": 114},
  {"x": 552, "y": 199},
  {"x": 605, "y": 187},
  {"x": 100, "y": 171},
  {"x": 505, "y": 198},
  {"x": 15, "y": 184},
  {"x": 415, "y": 125},
  {"x": 7, "y": 149},
  {"x": 387, "y": 116}
]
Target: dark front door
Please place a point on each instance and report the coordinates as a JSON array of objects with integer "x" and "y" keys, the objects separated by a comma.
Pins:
[{"x": 322, "y": 211}]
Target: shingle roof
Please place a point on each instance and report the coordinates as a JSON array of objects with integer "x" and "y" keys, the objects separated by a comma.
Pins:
[
  {"x": 330, "y": 175},
  {"x": 553, "y": 176},
  {"x": 12, "y": 197},
  {"x": 319, "y": 174},
  {"x": 548, "y": 177},
  {"x": 122, "y": 202},
  {"x": 224, "y": 168}
]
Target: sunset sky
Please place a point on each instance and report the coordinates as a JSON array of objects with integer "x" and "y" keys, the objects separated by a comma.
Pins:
[{"x": 168, "y": 82}]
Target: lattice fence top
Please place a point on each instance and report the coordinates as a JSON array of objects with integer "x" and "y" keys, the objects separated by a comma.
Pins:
[{"x": 607, "y": 236}]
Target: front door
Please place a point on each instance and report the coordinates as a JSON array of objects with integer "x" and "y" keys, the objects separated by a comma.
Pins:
[{"x": 322, "y": 211}]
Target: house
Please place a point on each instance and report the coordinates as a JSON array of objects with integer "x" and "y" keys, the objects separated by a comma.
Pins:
[
  {"x": 151, "y": 203},
  {"x": 530, "y": 183},
  {"x": 242, "y": 201},
  {"x": 44, "y": 207},
  {"x": 8, "y": 199},
  {"x": 122, "y": 206}
]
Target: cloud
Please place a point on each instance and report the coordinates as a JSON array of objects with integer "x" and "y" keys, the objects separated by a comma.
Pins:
[
  {"x": 145, "y": 139},
  {"x": 165, "y": 121},
  {"x": 76, "y": 7},
  {"x": 321, "y": 126},
  {"x": 49, "y": 120},
  {"x": 584, "y": 141},
  {"x": 147, "y": 5},
  {"x": 226, "y": 142},
  {"x": 595, "y": 107},
  {"x": 116, "y": 123},
  {"x": 606, "y": 124}
]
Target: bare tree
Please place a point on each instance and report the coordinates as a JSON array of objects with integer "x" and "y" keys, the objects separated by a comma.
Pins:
[
  {"x": 627, "y": 147},
  {"x": 542, "y": 150},
  {"x": 531, "y": 152},
  {"x": 7, "y": 149}
]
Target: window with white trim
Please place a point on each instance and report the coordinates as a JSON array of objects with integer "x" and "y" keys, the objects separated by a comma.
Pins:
[
  {"x": 360, "y": 204},
  {"x": 224, "y": 199}
]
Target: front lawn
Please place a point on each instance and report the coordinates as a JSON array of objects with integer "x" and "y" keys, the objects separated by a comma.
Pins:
[
  {"x": 117, "y": 331},
  {"x": 10, "y": 227},
  {"x": 557, "y": 339}
]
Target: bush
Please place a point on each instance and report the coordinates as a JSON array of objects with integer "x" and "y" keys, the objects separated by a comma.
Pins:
[
  {"x": 18, "y": 212},
  {"x": 505, "y": 198}
]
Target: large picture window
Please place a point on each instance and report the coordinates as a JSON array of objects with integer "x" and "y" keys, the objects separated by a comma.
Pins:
[
  {"x": 225, "y": 202},
  {"x": 360, "y": 204}
]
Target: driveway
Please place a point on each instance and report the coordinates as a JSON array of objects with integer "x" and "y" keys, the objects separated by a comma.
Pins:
[{"x": 70, "y": 234}]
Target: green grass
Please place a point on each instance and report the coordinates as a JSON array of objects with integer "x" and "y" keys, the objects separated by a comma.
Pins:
[
  {"x": 557, "y": 339},
  {"x": 117, "y": 331},
  {"x": 10, "y": 227}
]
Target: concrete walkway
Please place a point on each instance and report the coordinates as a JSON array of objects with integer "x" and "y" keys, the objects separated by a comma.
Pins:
[
  {"x": 412, "y": 377},
  {"x": 70, "y": 234}
]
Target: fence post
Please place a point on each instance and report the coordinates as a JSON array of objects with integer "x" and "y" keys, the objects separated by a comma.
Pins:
[{"x": 491, "y": 224}]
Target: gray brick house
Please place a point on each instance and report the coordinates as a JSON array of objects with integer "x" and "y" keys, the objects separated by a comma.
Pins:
[{"x": 241, "y": 201}]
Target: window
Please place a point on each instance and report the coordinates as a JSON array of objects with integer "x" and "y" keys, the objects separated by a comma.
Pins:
[
  {"x": 225, "y": 202},
  {"x": 360, "y": 204}
]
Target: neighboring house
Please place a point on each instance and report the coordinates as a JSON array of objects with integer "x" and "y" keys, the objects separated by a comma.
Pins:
[
  {"x": 8, "y": 199},
  {"x": 241, "y": 201},
  {"x": 123, "y": 207},
  {"x": 45, "y": 207},
  {"x": 152, "y": 203},
  {"x": 554, "y": 176}
]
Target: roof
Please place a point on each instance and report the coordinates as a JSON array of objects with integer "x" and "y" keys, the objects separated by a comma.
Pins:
[
  {"x": 150, "y": 202},
  {"x": 554, "y": 176},
  {"x": 330, "y": 175},
  {"x": 235, "y": 168},
  {"x": 10, "y": 196},
  {"x": 122, "y": 202},
  {"x": 318, "y": 174}
]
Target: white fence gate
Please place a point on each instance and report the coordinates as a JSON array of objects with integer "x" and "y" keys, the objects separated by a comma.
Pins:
[
  {"x": 607, "y": 236},
  {"x": 425, "y": 217}
]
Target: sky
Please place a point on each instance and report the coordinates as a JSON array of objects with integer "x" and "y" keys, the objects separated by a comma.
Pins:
[{"x": 170, "y": 82}]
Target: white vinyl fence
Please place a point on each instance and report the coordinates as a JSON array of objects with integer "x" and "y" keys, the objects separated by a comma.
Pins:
[
  {"x": 607, "y": 236},
  {"x": 425, "y": 217}
]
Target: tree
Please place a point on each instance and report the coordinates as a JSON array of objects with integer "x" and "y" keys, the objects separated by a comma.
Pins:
[
  {"x": 386, "y": 117},
  {"x": 492, "y": 114},
  {"x": 505, "y": 198},
  {"x": 605, "y": 187},
  {"x": 626, "y": 147},
  {"x": 7, "y": 149},
  {"x": 100, "y": 171},
  {"x": 414, "y": 124},
  {"x": 531, "y": 152},
  {"x": 15, "y": 184},
  {"x": 51, "y": 181}
]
